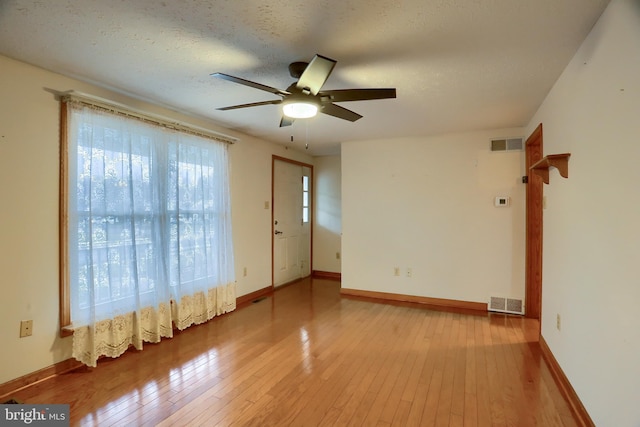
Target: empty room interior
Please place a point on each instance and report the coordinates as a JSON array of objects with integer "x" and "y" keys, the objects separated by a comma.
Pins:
[{"x": 451, "y": 240}]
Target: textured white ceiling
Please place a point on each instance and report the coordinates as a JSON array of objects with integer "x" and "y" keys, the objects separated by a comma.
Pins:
[{"x": 458, "y": 65}]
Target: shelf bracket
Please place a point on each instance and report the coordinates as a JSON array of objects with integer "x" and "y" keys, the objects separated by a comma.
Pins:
[{"x": 558, "y": 161}]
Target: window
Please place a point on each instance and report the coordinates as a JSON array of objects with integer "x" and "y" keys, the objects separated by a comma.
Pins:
[
  {"x": 147, "y": 224},
  {"x": 305, "y": 199}
]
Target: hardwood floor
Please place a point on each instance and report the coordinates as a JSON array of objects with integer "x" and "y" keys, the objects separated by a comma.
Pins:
[{"x": 306, "y": 356}]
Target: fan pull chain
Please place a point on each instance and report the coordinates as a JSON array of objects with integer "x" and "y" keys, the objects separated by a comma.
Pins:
[{"x": 306, "y": 145}]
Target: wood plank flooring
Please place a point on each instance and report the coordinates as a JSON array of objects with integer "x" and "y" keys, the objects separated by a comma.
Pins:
[{"x": 306, "y": 356}]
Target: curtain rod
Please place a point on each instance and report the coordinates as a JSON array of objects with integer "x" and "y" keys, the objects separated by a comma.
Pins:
[{"x": 121, "y": 109}]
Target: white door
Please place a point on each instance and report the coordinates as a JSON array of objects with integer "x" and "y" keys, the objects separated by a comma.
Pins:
[{"x": 291, "y": 222}]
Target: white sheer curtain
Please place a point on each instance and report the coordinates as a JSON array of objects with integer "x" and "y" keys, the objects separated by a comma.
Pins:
[{"x": 149, "y": 232}]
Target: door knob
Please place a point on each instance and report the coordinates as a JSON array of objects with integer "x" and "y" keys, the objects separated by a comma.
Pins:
[{"x": 278, "y": 232}]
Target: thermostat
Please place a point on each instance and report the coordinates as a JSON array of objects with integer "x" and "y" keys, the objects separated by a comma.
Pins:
[{"x": 501, "y": 202}]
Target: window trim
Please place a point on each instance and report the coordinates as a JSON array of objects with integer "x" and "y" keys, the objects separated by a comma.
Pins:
[{"x": 66, "y": 329}]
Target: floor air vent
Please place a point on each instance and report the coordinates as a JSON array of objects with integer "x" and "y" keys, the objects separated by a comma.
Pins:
[{"x": 506, "y": 305}]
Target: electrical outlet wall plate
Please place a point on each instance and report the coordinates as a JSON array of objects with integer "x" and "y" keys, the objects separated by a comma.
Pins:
[{"x": 26, "y": 328}]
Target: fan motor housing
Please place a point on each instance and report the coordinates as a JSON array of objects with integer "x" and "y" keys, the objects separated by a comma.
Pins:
[{"x": 297, "y": 68}]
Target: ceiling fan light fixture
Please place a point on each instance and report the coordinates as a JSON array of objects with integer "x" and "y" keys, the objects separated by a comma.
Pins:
[
  {"x": 300, "y": 110},
  {"x": 305, "y": 98}
]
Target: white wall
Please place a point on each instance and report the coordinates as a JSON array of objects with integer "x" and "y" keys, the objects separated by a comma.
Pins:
[
  {"x": 428, "y": 204},
  {"x": 250, "y": 188},
  {"x": 29, "y": 155},
  {"x": 592, "y": 222},
  {"x": 327, "y": 226}
]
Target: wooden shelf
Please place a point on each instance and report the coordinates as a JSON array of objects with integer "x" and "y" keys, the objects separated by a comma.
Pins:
[{"x": 558, "y": 161}]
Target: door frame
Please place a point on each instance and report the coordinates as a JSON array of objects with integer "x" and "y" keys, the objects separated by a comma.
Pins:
[
  {"x": 275, "y": 158},
  {"x": 534, "y": 201}
]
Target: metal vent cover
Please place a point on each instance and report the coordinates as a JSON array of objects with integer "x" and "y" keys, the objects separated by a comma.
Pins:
[
  {"x": 507, "y": 144},
  {"x": 514, "y": 306},
  {"x": 497, "y": 304},
  {"x": 506, "y": 305}
]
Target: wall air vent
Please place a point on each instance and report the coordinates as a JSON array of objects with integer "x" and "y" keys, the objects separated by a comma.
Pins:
[
  {"x": 506, "y": 305},
  {"x": 507, "y": 144}
]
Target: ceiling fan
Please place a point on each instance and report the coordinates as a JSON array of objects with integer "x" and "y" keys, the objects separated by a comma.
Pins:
[{"x": 305, "y": 98}]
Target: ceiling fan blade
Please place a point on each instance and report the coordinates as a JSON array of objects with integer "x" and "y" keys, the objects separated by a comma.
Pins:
[
  {"x": 253, "y": 104},
  {"x": 344, "y": 95},
  {"x": 340, "y": 112},
  {"x": 251, "y": 84},
  {"x": 316, "y": 73},
  {"x": 286, "y": 121}
]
